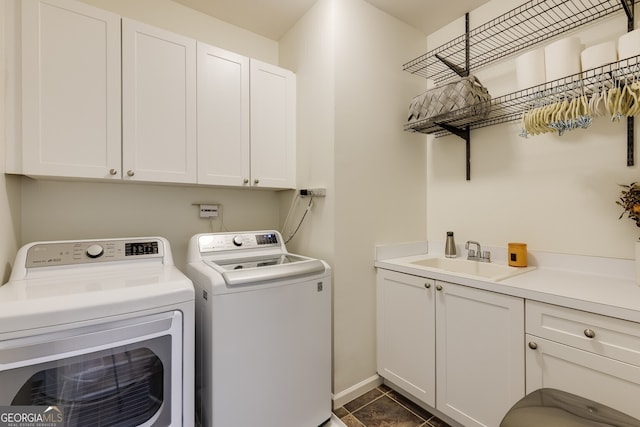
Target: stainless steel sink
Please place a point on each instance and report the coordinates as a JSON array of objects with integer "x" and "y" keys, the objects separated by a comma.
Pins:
[{"x": 461, "y": 266}]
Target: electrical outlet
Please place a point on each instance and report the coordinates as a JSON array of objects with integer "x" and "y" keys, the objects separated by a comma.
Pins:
[
  {"x": 208, "y": 211},
  {"x": 313, "y": 192}
]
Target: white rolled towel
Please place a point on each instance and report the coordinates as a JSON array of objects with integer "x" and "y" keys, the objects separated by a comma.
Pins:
[
  {"x": 530, "y": 69},
  {"x": 629, "y": 44},
  {"x": 599, "y": 55},
  {"x": 562, "y": 58}
]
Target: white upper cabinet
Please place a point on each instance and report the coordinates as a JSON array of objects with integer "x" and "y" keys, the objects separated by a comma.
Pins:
[
  {"x": 97, "y": 96},
  {"x": 158, "y": 104},
  {"x": 246, "y": 121},
  {"x": 223, "y": 117},
  {"x": 70, "y": 90},
  {"x": 273, "y": 126}
]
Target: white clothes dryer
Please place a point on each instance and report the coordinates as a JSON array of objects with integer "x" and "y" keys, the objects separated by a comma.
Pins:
[
  {"x": 263, "y": 332},
  {"x": 103, "y": 330}
]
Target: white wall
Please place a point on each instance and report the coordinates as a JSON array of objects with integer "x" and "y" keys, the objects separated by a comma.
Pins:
[
  {"x": 354, "y": 97},
  {"x": 556, "y": 193},
  {"x": 53, "y": 210},
  {"x": 380, "y": 181},
  {"x": 308, "y": 50},
  {"x": 9, "y": 185}
]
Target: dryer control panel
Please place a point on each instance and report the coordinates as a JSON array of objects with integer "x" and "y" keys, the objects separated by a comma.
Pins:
[{"x": 92, "y": 251}]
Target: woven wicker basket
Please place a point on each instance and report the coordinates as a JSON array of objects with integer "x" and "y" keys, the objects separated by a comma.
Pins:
[{"x": 457, "y": 95}]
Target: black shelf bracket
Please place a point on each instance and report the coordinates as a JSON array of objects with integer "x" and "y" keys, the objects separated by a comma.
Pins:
[
  {"x": 464, "y": 133},
  {"x": 462, "y": 72},
  {"x": 456, "y": 69},
  {"x": 628, "y": 6}
]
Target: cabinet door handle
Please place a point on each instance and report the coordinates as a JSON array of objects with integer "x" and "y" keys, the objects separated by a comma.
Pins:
[
  {"x": 438, "y": 287},
  {"x": 113, "y": 171},
  {"x": 427, "y": 285},
  {"x": 130, "y": 172},
  {"x": 589, "y": 333},
  {"x": 256, "y": 181},
  {"x": 533, "y": 345},
  {"x": 246, "y": 181}
]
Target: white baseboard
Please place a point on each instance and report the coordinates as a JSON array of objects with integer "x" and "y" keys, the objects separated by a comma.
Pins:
[
  {"x": 334, "y": 422},
  {"x": 346, "y": 396}
]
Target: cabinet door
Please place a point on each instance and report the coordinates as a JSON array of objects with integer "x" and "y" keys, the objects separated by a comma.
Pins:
[
  {"x": 273, "y": 126},
  {"x": 479, "y": 354},
  {"x": 223, "y": 117},
  {"x": 70, "y": 90},
  {"x": 406, "y": 333},
  {"x": 159, "y": 104},
  {"x": 598, "y": 378}
]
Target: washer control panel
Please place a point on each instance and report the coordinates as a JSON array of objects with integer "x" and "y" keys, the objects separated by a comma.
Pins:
[
  {"x": 94, "y": 251},
  {"x": 236, "y": 241}
]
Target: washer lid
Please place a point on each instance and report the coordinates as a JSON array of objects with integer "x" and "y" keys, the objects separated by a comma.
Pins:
[
  {"x": 62, "y": 282},
  {"x": 81, "y": 296},
  {"x": 263, "y": 269}
]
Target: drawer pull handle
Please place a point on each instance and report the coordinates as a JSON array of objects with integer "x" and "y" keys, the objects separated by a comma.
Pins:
[
  {"x": 438, "y": 287},
  {"x": 589, "y": 333},
  {"x": 427, "y": 285},
  {"x": 533, "y": 345}
]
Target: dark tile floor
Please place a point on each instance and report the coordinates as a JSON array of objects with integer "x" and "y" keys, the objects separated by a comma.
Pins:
[{"x": 383, "y": 407}]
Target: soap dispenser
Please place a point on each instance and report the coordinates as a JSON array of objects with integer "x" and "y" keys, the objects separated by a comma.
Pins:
[{"x": 450, "y": 246}]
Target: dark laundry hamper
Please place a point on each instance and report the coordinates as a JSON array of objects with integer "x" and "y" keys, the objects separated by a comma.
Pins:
[{"x": 549, "y": 407}]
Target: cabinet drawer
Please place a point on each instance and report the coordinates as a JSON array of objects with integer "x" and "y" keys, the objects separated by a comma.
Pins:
[
  {"x": 601, "y": 379},
  {"x": 607, "y": 336}
]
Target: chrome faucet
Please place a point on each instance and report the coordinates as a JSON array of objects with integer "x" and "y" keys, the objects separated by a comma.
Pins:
[{"x": 477, "y": 255}]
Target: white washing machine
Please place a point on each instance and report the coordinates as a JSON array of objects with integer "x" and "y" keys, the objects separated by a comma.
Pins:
[
  {"x": 263, "y": 332},
  {"x": 102, "y": 330}
]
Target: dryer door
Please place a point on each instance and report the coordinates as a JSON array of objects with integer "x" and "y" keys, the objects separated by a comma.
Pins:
[{"x": 115, "y": 374}]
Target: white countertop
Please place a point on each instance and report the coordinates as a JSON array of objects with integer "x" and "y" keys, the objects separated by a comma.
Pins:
[{"x": 600, "y": 285}]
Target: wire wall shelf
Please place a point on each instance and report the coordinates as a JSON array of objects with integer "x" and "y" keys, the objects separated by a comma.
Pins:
[
  {"x": 527, "y": 25},
  {"x": 510, "y": 107},
  {"x": 522, "y": 27}
]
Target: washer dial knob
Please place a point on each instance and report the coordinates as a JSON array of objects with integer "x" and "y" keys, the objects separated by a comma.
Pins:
[
  {"x": 237, "y": 240},
  {"x": 95, "y": 251}
]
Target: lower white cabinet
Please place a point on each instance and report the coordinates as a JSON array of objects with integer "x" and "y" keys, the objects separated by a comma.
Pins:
[
  {"x": 479, "y": 354},
  {"x": 455, "y": 348},
  {"x": 406, "y": 333},
  {"x": 593, "y": 356}
]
